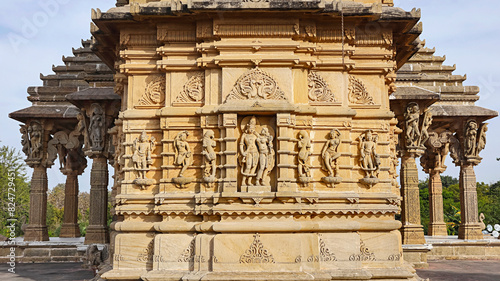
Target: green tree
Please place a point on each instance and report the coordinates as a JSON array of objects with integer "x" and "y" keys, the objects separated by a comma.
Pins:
[{"x": 14, "y": 190}]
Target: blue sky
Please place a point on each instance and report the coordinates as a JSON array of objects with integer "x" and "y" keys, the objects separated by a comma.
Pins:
[{"x": 35, "y": 34}]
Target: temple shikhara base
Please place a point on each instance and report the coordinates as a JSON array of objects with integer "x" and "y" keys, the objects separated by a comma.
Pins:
[{"x": 257, "y": 140}]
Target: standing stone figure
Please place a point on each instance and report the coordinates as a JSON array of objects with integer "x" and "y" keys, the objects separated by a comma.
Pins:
[
  {"x": 304, "y": 145},
  {"x": 470, "y": 138},
  {"x": 183, "y": 153},
  {"x": 424, "y": 136},
  {"x": 370, "y": 161},
  {"x": 209, "y": 145},
  {"x": 143, "y": 149},
  {"x": 330, "y": 154},
  {"x": 96, "y": 127},
  {"x": 266, "y": 156},
  {"x": 249, "y": 152},
  {"x": 35, "y": 134},
  {"x": 481, "y": 143},
  {"x": 412, "y": 117}
]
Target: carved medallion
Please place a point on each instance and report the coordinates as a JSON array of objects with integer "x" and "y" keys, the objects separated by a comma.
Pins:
[
  {"x": 319, "y": 91},
  {"x": 257, "y": 253},
  {"x": 193, "y": 92},
  {"x": 358, "y": 94},
  {"x": 256, "y": 85},
  {"x": 154, "y": 94}
]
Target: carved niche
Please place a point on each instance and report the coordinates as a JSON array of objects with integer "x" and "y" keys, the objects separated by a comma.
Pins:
[
  {"x": 319, "y": 90},
  {"x": 358, "y": 94},
  {"x": 193, "y": 92},
  {"x": 256, "y": 85},
  {"x": 154, "y": 94}
]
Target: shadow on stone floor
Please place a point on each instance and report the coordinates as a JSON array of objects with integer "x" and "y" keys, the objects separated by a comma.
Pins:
[{"x": 46, "y": 272}]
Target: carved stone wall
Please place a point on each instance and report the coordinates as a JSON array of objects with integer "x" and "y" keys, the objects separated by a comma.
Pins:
[{"x": 274, "y": 149}]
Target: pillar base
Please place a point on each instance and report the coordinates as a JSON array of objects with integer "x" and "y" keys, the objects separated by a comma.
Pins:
[
  {"x": 96, "y": 234},
  {"x": 438, "y": 229},
  {"x": 413, "y": 235},
  {"x": 36, "y": 233},
  {"x": 70, "y": 230},
  {"x": 470, "y": 232}
]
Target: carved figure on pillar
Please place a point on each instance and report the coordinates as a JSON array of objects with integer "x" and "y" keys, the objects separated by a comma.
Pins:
[
  {"x": 209, "y": 145},
  {"x": 97, "y": 127},
  {"x": 369, "y": 159},
  {"x": 183, "y": 158},
  {"x": 304, "y": 145},
  {"x": 470, "y": 139},
  {"x": 32, "y": 136},
  {"x": 424, "y": 134},
  {"x": 330, "y": 158},
  {"x": 143, "y": 148},
  {"x": 412, "y": 117},
  {"x": 249, "y": 153},
  {"x": 266, "y": 157}
]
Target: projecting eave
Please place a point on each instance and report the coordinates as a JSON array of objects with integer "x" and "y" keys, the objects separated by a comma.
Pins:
[
  {"x": 106, "y": 26},
  {"x": 92, "y": 95},
  {"x": 462, "y": 111},
  {"x": 45, "y": 112}
]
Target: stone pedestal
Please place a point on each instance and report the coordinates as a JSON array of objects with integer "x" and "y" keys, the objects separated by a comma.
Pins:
[
  {"x": 469, "y": 227},
  {"x": 437, "y": 226},
  {"x": 97, "y": 231},
  {"x": 412, "y": 230},
  {"x": 70, "y": 228},
  {"x": 37, "y": 227}
]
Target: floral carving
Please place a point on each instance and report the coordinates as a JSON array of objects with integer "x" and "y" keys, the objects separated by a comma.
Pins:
[
  {"x": 324, "y": 253},
  {"x": 193, "y": 91},
  {"x": 358, "y": 94},
  {"x": 154, "y": 94},
  {"x": 257, "y": 253},
  {"x": 319, "y": 91},
  {"x": 256, "y": 85},
  {"x": 364, "y": 255},
  {"x": 188, "y": 254},
  {"x": 147, "y": 254}
]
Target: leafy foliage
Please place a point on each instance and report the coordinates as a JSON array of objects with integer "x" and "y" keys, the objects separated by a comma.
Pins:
[
  {"x": 13, "y": 176},
  {"x": 488, "y": 203}
]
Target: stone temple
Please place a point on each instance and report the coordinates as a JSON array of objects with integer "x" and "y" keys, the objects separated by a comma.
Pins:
[{"x": 255, "y": 140}]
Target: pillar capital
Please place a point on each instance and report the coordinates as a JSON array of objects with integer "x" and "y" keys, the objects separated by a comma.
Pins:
[
  {"x": 468, "y": 142},
  {"x": 35, "y": 135}
]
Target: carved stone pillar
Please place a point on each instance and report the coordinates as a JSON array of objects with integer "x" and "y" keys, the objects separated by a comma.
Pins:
[
  {"x": 433, "y": 163},
  {"x": 70, "y": 228},
  {"x": 37, "y": 227},
  {"x": 469, "y": 228},
  {"x": 97, "y": 231},
  {"x": 464, "y": 149},
  {"x": 412, "y": 230},
  {"x": 437, "y": 226},
  {"x": 230, "y": 148},
  {"x": 34, "y": 140}
]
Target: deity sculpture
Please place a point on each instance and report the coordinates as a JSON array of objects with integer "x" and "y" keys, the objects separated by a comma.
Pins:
[
  {"x": 249, "y": 152},
  {"x": 96, "y": 127},
  {"x": 330, "y": 157},
  {"x": 209, "y": 145},
  {"x": 303, "y": 168},
  {"x": 470, "y": 138},
  {"x": 31, "y": 141},
  {"x": 369, "y": 159},
  {"x": 412, "y": 117},
  {"x": 143, "y": 148},
  {"x": 266, "y": 156},
  {"x": 424, "y": 135},
  {"x": 183, "y": 158},
  {"x": 481, "y": 143}
]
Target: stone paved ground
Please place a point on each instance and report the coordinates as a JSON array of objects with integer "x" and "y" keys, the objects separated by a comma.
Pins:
[
  {"x": 438, "y": 271},
  {"x": 458, "y": 270}
]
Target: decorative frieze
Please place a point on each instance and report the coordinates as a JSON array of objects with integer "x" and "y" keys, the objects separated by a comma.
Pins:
[
  {"x": 319, "y": 90},
  {"x": 256, "y": 85},
  {"x": 257, "y": 253},
  {"x": 358, "y": 94},
  {"x": 154, "y": 94}
]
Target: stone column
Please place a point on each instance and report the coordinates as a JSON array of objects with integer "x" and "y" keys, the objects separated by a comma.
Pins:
[
  {"x": 37, "y": 227},
  {"x": 412, "y": 230},
  {"x": 437, "y": 226},
  {"x": 97, "y": 231},
  {"x": 70, "y": 228},
  {"x": 469, "y": 228},
  {"x": 230, "y": 150}
]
